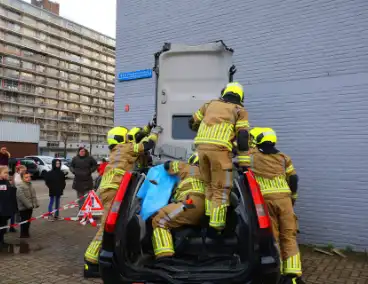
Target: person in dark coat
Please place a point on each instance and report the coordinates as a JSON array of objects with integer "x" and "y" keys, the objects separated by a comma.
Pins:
[
  {"x": 4, "y": 156},
  {"x": 8, "y": 200},
  {"x": 55, "y": 181},
  {"x": 82, "y": 166}
]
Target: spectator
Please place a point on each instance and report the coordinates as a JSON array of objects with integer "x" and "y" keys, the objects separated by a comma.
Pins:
[
  {"x": 82, "y": 166},
  {"x": 19, "y": 169},
  {"x": 27, "y": 201},
  {"x": 8, "y": 200},
  {"x": 102, "y": 166},
  {"x": 55, "y": 181},
  {"x": 4, "y": 156}
]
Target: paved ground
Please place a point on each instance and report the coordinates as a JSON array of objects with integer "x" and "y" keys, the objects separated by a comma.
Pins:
[{"x": 54, "y": 254}]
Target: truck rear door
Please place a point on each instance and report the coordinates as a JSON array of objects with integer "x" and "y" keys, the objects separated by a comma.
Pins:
[{"x": 187, "y": 77}]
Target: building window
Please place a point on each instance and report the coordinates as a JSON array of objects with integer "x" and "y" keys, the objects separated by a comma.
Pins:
[
  {"x": 86, "y": 70},
  {"x": 86, "y": 61},
  {"x": 52, "y": 71},
  {"x": 54, "y": 50},
  {"x": 26, "y": 76},
  {"x": 11, "y": 61},
  {"x": 74, "y": 67},
  {"x": 63, "y": 84},
  {"x": 110, "y": 69},
  {"x": 40, "y": 90},
  {"x": 28, "y": 88},
  {"x": 73, "y": 86},
  {"x": 63, "y": 74},
  {"x": 110, "y": 78},
  {"x": 13, "y": 26},
  {"x": 40, "y": 68},
  {"x": 28, "y": 65},
  {"x": 73, "y": 97},
  {"x": 11, "y": 73},
  {"x": 86, "y": 80},
  {"x": 111, "y": 60},
  {"x": 14, "y": 15},
  {"x": 52, "y": 82},
  {"x": 85, "y": 89},
  {"x": 13, "y": 38},
  {"x": 180, "y": 129},
  {"x": 29, "y": 32},
  {"x": 30, "y": 21},
  {"x": 10, "y": 84}
]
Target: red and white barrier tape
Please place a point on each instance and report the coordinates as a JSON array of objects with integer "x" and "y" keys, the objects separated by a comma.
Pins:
[{"x": 69, "y": 205}]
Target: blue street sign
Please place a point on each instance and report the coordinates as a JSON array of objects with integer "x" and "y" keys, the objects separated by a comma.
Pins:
[{"x": 135, "y": 75}]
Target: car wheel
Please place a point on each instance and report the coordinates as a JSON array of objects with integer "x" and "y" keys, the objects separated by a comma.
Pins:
[{"x": 43, "y": 174}]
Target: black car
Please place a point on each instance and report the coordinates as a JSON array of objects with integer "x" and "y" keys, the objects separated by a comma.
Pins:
[
  {"x": 31, "y": 165},
  {"x": 244, "y": 253}
]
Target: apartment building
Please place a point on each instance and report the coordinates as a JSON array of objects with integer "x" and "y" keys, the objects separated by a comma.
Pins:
[{"x": 58, "y": 74}]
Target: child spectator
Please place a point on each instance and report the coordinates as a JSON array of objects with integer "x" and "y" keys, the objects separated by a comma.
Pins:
[
  {"x": 8, "y": 200},
  {"x": 19, "y": 169},
  {"x": 55, "y": 181},
  {"x": 27, "y": 201}
]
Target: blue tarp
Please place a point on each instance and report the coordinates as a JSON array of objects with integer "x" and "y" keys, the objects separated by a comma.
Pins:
[{"x": 156, "y": 196}]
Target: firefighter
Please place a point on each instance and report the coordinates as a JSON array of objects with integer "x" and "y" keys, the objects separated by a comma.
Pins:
[
  {"x": 187, "y": 208},
  {"x": 137, "y": 135},
  {"x": 278, "y": 182},
  {"x": 219, "y": 122},
  {"x": 122, "y": 158}
]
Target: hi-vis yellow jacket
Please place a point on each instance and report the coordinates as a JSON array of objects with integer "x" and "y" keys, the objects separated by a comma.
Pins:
[{"x": 220, "y": 122}]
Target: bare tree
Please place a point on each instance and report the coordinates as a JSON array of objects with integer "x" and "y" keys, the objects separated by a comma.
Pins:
[
  {"x": 90, "y": 141},
  {"x": 65, "y": 138}
]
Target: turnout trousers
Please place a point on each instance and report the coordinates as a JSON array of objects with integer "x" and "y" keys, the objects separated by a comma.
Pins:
[
  {"x": 284, "y": 227},
  {"x": 216, "y": 167},
  {"x": 107, "y": 197},
  {"x": 174, "y": 215}
]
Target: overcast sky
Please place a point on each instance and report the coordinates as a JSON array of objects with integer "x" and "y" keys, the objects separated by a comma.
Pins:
[{"x": 99, "y": 15}]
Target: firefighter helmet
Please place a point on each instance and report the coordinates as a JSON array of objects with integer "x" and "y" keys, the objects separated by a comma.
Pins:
[
  {"x": 117, "y": 135},
  {"x": 266, "y": 135},
  {"x": 253, "y": 134},
  {"x": 234, "y": 88},
  {"x": 135, "y": 135}
]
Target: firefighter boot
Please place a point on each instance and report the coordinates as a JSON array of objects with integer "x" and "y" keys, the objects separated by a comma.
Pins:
[
  {"x": 91, "y": 270},
  {"x": 291, "y": 279}
]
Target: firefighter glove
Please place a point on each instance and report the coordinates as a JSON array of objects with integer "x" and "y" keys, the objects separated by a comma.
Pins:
[{"x": 157, "y": 130}]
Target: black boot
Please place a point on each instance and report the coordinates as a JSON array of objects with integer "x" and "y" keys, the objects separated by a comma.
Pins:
[
  {"x": 290, "y": 279},
  {"x": 12, "y": 230},
  {"x": 91, "y": 270}
]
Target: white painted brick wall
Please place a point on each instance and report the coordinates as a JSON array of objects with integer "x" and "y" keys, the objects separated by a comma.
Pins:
[{"x": 304, "y": 65}]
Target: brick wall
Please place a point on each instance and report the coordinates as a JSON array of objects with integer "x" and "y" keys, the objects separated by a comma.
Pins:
[{"x": 304, "y": 65}]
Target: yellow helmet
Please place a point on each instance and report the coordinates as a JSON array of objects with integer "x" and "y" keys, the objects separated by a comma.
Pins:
[
  {"x": 117, "y": 135},
  {"x": 234, "y": 88},
  {"x": 266, "y": 135},
  {"x": 193, "y": 159},
  {"x": 253, "y": 134},
  {"x": 135, "y": 134}
]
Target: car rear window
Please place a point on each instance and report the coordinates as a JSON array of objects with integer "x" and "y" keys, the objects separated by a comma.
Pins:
[{"x": 180, "y": 129}]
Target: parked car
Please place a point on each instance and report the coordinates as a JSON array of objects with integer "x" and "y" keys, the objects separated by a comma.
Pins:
[
  {"x": 30, "y": 164},
  {"x": 244, "y": 253},
  {"x": 66, "y": 161},
  {"x": 44, "y": 165}
]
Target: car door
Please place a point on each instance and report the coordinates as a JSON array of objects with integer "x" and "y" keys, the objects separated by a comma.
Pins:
[{"x": 187, "y": 77}]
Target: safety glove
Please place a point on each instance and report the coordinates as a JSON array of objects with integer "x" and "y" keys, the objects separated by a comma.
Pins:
[{"x": 157, "y": 130}]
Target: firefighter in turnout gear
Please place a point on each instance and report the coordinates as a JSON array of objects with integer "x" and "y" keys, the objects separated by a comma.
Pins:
[
  {"x": 278, "y": 182},
  {"x": 123, "y": 155},
  {"x": 137, "y": 135},
  {"x": 218, "y": 124},
  {"x": 187, "y": 208}
]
